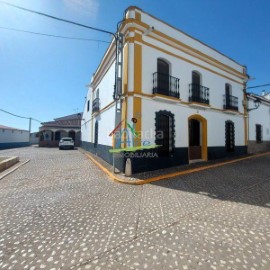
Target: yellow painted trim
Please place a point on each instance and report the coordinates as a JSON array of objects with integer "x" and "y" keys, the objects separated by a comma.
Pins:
[
  {"x": 124, "y": 119},
  {"x": 235, "y": 112},
  {"x": 125, "y": 68},
  {"x": 137, "y": 102},
  {"x": 130, "y": 39},
  {"x": 133, "y": 39},
  {"x": 109, "y": 55},
  {"x": 189, "y": 61},
  {"x": 198, "y": 103},
  {"x": 137, "y": 113},
  {"x": 188, "y": 47},
  {"x": 131, "y": 94},
  {"x": 137, "y": 68},
  {"x": 169, "y": 175},
  {"x": 167, "y": 97},
  {"x": 138, "y": 16},
  {"x": 197, "y": 54},
  {"x": 132, "y": 21},
  {"x": 125, "y": 89},
  {"x": 103, "y": 109},
  {"x": 204, "y": 134}
]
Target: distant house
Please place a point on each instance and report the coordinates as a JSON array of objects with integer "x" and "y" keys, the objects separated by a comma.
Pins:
[
  {"x": 12, "y": 137},
  {"x": 259, "y": 123},
  {"x": 50, "y": 133},
  {"x": 266, "y": 95}
]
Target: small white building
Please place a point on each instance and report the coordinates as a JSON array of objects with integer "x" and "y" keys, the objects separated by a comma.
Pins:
[
  {"x": 34, "y": 138},
  {"x": 258, "y": 123},
  {"x": 13, "y": 137},
  {"x": 181, "y": 100}
]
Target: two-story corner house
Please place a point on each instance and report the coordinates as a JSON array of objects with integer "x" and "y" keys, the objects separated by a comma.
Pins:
[
  {"x": 258, "y": 123},
  {"x": 179, "y": 95}
]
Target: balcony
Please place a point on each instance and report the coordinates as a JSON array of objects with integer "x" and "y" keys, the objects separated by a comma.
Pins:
[
  {"x": 166, "y": 85},
  {"x": 198, "y": 93},
  {"x": 230, "y": 102},
  {"x": 95, "y": 105}
]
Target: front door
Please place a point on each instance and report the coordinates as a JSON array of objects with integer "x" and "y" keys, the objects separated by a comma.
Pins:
[{"x": 195, "y": 149}]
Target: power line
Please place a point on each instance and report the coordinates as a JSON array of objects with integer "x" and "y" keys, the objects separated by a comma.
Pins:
[
  {"x": 19, "y": 116},
  {"x": 58, "y": 19},
  {"x": 262, "y": 85},
  {"x": 50, "y": 35}
]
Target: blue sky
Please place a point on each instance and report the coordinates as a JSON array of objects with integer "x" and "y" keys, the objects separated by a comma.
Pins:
[{"x": 45, "y": 78}]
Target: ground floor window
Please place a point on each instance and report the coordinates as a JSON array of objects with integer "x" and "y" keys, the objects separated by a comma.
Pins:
[
  {"x": 96, "y": 134},
  {"x": 258, "y": 133},
  {"x": 165, "y": 132},
  {"x": 229, "y": 136}
]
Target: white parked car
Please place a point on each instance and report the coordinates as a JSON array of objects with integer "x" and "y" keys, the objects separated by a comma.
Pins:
[{"x": 66, "y": 143}]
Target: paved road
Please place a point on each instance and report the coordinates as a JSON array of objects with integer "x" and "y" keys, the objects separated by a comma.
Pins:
[{"x": 59, "y": 211}]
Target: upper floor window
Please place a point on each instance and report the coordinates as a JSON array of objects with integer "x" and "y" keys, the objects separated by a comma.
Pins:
[
  {"x": 197, "y": 92},
  {"x": 88, "y": 105},
  {"x": 229, "y": 101},
  {"x": 96, "y": 93},
  {"x": 258, "y": 133},
  {"x": 228, "y": 89},
  {"x": 163, "y": 70},
  {"x": 96, "y": 101},
  {"x": 163, "y": 82},
  {"x": 196, "y": 78},
  {"x": 163, "y": 67}
]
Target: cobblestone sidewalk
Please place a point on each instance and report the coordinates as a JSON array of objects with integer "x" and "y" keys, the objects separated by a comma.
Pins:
[{"x": 59, "y": 211}]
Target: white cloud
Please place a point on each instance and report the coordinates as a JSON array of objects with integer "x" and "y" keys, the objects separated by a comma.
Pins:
[{"x": 84, "y": 6}]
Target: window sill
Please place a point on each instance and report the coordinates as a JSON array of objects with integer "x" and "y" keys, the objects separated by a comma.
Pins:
[
  {"x": 197, "y": 105},
  {"x": 164, "y": 98}
]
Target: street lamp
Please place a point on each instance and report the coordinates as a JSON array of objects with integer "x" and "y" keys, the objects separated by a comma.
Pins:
[{"x": 257, "y": 103}]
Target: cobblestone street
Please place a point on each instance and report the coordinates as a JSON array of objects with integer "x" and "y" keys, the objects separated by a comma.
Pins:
[{"x": 60, "y": 211}]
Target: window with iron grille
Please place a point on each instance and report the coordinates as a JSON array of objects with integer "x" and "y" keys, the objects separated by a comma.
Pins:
[
  {"x": 96, "y": 134},
  {"x": 258, "y": 133},
  {"x": 165, "y": 132},
  {"x": 229, "y": 136}
]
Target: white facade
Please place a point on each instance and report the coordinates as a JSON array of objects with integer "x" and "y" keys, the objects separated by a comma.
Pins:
[
  {"x": 11, "y": 137},
  {"x": 102, "y": 94},
  {"x": 149, "y": 46},
  {"x": 259, "y": 124},
  {"x": 34, "y": 138}
]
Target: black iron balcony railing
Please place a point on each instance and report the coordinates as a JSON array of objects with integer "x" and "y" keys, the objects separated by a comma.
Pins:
[
  {"x": 230, "y": 102},
  {"x": 166, "y": 85},
  {"x": 95, "y": 105},
  {"x": 198, "y": 93}
]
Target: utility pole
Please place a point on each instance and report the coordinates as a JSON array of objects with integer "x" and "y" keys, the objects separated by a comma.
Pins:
[
  {"x": 118, "y": 37},
  {"x": 118, "y": 83}
]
